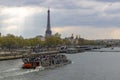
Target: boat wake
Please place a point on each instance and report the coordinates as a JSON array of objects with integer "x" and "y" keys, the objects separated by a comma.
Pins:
[
  {"x": 17, "y": 72},
  {"x": 26, "y": 72},
  {"x": 10, "y": 70}
]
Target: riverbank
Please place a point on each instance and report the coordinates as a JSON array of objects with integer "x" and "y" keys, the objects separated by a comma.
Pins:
[{"x": 7, "y": 55}]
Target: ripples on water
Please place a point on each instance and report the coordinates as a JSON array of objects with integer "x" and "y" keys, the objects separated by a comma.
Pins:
[{"x": 85, "y": 66}]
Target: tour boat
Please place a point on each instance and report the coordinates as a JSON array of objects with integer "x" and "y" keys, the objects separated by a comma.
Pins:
[{"x": 46, "y": 60}]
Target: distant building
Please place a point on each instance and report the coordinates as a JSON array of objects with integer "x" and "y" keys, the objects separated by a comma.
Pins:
[
  {"x": 75, "y": 40},
  {"x": 48, "y": 32},
  {"x": 40, "y": 37}
]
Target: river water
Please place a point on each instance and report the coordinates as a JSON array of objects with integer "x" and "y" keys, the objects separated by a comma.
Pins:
[{"x": 84, "y": 66}]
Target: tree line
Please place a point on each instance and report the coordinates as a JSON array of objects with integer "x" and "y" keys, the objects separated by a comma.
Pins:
[{"x": 11, "y": 41}]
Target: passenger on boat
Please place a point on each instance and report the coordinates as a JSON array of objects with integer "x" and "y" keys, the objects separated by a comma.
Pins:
[{"x": 46, "y": 60}]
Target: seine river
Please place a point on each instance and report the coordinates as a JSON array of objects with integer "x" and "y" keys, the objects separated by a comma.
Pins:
[{"x": 85, "y": 66}]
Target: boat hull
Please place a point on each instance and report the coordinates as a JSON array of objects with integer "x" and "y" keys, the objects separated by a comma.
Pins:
[{"x": 30, "y": 66}]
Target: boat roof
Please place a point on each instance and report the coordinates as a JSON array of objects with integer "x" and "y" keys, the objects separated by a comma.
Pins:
[{"x": 42, "y": 53}]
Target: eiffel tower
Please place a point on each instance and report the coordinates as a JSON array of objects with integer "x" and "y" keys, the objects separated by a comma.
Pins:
[{"x": 48, "y": 30}]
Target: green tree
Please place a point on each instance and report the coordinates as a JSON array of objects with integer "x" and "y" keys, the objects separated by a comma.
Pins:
[{"x": 53, "y": 41}]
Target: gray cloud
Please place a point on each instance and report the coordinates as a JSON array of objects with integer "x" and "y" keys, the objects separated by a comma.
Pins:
[
  {"x": 97, "y": 13},
  {"x": 19, "y": 2},
  {"x": 108, "y": 0},
  {"x": 35, "y": 24}
]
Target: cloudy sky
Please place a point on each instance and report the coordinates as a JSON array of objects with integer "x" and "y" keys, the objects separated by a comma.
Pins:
[{"x": 91, "y": 19}]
